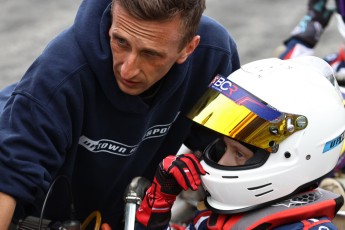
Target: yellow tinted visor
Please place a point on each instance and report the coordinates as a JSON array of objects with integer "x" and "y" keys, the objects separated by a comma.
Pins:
[{"x": 232, "y": 111}]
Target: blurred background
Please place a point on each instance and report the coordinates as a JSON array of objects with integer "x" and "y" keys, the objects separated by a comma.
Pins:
[{"x": 258, "y": 27}]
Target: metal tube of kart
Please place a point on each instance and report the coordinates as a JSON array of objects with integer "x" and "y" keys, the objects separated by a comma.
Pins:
[
  {"x": 130, "y": 210},
  {"x": 133, "y": 197}
]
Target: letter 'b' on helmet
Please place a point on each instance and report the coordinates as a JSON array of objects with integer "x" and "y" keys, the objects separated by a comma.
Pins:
[{"x": 293, "y": 110}]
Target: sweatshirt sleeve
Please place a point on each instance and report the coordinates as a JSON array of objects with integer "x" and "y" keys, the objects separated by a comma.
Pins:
[{"x": 32, "y": 148}]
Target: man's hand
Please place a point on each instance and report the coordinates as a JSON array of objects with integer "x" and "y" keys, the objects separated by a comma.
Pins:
[{"x": 7, "y": 206}]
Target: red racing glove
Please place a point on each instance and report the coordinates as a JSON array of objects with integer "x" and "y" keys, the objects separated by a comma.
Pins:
[{"x": 173, "y": 174}]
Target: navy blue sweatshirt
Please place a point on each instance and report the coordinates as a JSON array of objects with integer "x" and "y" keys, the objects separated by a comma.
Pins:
[{"x": 67, "y": 116}]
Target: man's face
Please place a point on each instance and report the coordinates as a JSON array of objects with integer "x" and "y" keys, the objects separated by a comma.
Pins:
[{"x": 144, "y": 51}]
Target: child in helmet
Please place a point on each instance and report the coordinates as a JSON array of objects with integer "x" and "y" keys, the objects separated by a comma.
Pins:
[{"x": 279, "y": 129}]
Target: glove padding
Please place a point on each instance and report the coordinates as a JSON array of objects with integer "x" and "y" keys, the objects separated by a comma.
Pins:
[
  {"x": 184, "y": 169},
  {"x": 173, "y": 174},
  {"x": 312, "y": 25}
]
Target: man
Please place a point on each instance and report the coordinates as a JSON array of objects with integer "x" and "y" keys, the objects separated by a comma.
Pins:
[{"x": 104, "y": 103}]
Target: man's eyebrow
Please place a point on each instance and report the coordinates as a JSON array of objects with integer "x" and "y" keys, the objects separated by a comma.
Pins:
[
  {"x": 153, "y": 51},
  {"x": 159, "y": 53},
  {"x": 114, "y": 34}
]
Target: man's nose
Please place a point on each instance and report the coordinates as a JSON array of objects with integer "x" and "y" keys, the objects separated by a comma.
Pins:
[{"x": 130, "y": 67}]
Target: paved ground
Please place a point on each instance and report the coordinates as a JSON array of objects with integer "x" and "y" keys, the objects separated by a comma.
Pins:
[{"x": 258, "y": 27}]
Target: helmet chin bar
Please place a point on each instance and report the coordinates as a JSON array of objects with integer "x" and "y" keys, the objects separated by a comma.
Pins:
[{"x": 232, "y": 210}]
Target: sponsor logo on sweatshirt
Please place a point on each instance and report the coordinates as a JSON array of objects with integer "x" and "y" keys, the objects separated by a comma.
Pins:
[
  {"x": 105, "y": 145},
  {"x": 121, "y": 149}
]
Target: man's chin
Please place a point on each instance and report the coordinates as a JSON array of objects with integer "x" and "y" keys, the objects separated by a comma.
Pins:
[{"x": 130, "y": 91}]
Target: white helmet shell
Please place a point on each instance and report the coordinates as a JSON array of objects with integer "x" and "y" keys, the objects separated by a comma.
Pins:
[{"x": 304, "y": 86}]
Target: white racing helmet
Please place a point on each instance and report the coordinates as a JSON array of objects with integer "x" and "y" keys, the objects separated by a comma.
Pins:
[{"x": 290, "y": 113}]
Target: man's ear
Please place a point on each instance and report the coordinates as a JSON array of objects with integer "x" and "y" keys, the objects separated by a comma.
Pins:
[{"x": 188, "y": 49}]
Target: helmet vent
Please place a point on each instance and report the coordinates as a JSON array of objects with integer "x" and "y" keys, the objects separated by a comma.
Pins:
[
  {"x": 229, "y": 177},
  {"x": 261, "y": 187},
  {"x": 264, "y": 193}
]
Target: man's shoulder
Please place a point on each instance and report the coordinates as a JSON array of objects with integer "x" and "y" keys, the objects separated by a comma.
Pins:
[
  {"x": 211, "y": 23},
  {"x": 214, "y": 34}
]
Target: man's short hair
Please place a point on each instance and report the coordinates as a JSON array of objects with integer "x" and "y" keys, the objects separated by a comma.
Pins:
[{"x": 190, "y": 12}]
